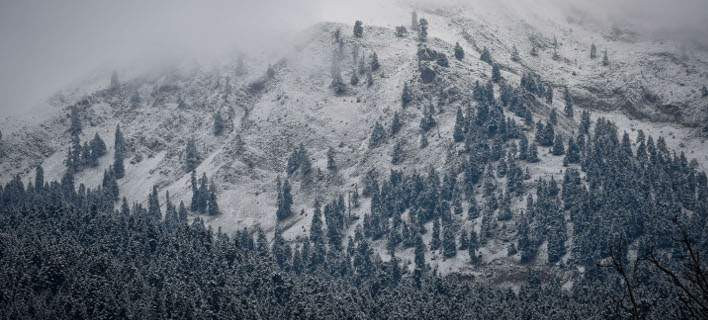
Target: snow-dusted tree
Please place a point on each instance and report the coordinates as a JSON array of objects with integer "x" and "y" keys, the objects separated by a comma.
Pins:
[
  {"x": 378, "y": 134},
  {"x": 605, "y": 59},
  {"x": 593, "y": 51},
  {"x": 458, "y": 133},
  {"x": 358, "y": 29},
  {"x": 515, "y": 54},
  {"x": 459, "y": 51},
  {"x": 397, "y": 153},
  {"x": 284, "y": 200},
  {"x": 375, "y": 65},
  {"x": 119, "y": 154},
  {"x": 568, "y": 104},
  {"x": 331, "y": 163},
  {"x": 396, "y": 123},
  {"x": 496, "y": 73},
  {"x": 401, "y": 31},
  {"x": 486, "y": 56},
  {"x": 218, "y": 123},
  {"x": 191, "y": 156},
  {"x": 407, "y": 95},
  {"x": 423, "y": 30}
]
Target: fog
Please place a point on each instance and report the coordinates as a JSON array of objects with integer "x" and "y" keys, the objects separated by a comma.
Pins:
[{"x": 47, "y": 45}]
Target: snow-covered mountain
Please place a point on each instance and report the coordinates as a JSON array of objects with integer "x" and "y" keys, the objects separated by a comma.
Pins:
[{"x": 649, "y": 85}]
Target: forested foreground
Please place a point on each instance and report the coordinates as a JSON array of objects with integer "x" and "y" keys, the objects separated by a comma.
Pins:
[{"x": 67, "y": 254}]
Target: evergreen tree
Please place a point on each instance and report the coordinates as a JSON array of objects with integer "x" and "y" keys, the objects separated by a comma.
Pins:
[
  {"x": 396, "y": 123},
  {"x": 458, "y": 131},
  {"x": 549, "y": 94},
  {"x": 553, "y": 117},
  {"x": 375, "y": 65},
  {"x": 585, "y": 122},
  {"x": 423, "y": 140},
  {"x": 119, "y": 154},
  {"x": 191, "y": 157},
  {"x": 472, "y": 248},
  {"x": 568, "y": 104},
  {"x": 533, "y": 154},
  {"x": 397, "y": 153},
  {"x": 486, "y": 56},
  {"x": 558, "y": 146},
  {"x": 284, "y": 202},
  {"x": 212, "y": 204},
  {"x": 435, "y": 239},
  {"x": 358, "y": 29},
  {"x": 407, "y": 95},
  {"x": 459, "y": 51},
  {"x": 423, "y": 30},
  {"x": 39, "y": 179},
  {"x": 515, "y": 54},
  {"x": 704, "y": 93},
  {"x": 605, "y": 59},
  {"x": 331, "y": 164},
  {"x": 98, "y": 147},
  {"x": 573, "y": 152},
  {"x": 354, "y": 80},
  {"x": 496, "y": 73},
  {"x": 449, "y": 247},
  {"x": 593, "y": 51},
  {"x": 218, "y": 124},
  {"x": 378, "y": 134},
  {"x": 115, "y": 84}
]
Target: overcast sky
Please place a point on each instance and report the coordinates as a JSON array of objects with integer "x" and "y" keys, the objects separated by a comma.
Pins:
[{"x": 47, "y": 44}]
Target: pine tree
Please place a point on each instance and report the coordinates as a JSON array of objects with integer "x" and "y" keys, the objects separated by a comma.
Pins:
[
  {"x": 573, "y": 152},
  {"x": 98, "y": 147},
  {"x": 549, "y": 94},
  {"x": 585, "y": 122},
  {"x": 423, "y": 30},
  {"x": 75, "y": 122},
  {"x": 119, "y": 154},
  {"x": 704, "y": 93},
  {"x": 552, "y": 118},
  {"x": 396, "y": 123},
  {"x": 459, "y": 51},
  {"x": 191, "y": 157},
  {"x": 458, "y": 131},
  {"x": 375, "y": 65},
  {"x": 331, "y": 164},
  {"x": 194, "y": 206},
  {"x": 285, "y": 202},
  {"x": 212, "y": 204},
  {"x": 533, "y": 154},
  {"x": 515, "y": 55},
  {"x": 496, "y": 73},
  {"x": 472, "y": 248},
  {"x": 568, "y": 104},
  {"x": 154, "y": 205},
  {"x": 377, "y": 136},
  {"x": 486, "y": 56},
  {"x": 39, "y": 179},
  {"x": 407, "y": 95},
  {"x": 605, "y": 59},
  {"x": 354, "y": 80},
  {"x": 358, "y": 29},
  {"x": 593, "y": 51},
  {"x": 218, "y": 124},
  {"x": 435, "y": 239},
  {"x": 423, "y": 140},
  {"x": 558, "y": 146},
  {"x": 449, "y": 246},
  {"x": 397, "y": 153}
]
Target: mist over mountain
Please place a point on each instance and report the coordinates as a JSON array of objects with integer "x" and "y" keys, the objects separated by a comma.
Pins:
[{"x": 336, "y": 159}]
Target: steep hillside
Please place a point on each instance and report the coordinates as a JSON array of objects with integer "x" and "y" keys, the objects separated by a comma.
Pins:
[{"x": 272, "y": 107}]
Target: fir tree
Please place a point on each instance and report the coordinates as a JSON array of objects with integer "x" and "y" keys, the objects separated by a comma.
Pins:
[
  {"x": 593, "y": 51},
  {"x": 515, "y": 55},
  {"x": 39, "y": 178},
  {"x": 331, "y": 164},
  {"x": 605, "y": 59},
  {"x": 472, "y": 248},
  {"x": 375, "y": 65},
  {"x": 423, "y": 30},
  {"x": 191, "y": 156},
  {"x": 423, "y": 140},
  {"x": 449, "y": 247},
  {"x": 358, "y": 29},
  {"x": 218, "y": 124},
  {"x": 704, "y": 93},
  {"x": 119, "y": 154},
  {"x": 568, "y": 104},
  {"x": 458, "y": 131},
  {"x": 284, "y": 201},
  {"x": 212, "y": 204},
  {"x": 407, "y": 95},
  {"x": 115, "y": 83},
  {"x": 486, "y": 56},
  {"x": 585, "y": 122},
  {"x": 397, "y": 153},
  {"x": 435, "y": 239},
  {"x": 459, "y": 51},
  {"x": 396, "y": 123},
  {"x": 377, "y": 137},
  {"x": 533, "y": 153},
  {"x": 558, "y": 146},
  {"x": 496, "y": 73}
]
